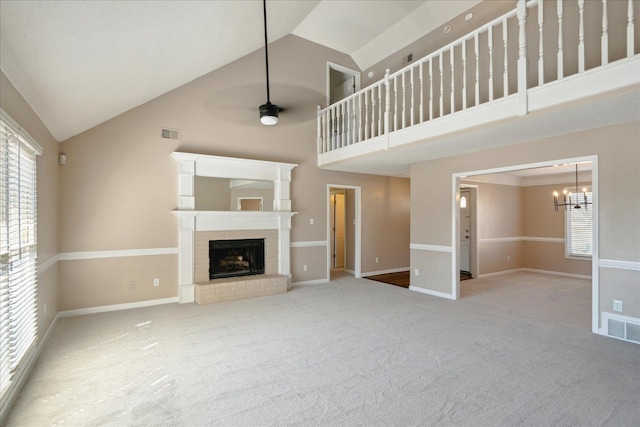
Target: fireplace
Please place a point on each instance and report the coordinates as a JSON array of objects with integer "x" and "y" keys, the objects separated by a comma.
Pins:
[{"x": 230, "y": 258}]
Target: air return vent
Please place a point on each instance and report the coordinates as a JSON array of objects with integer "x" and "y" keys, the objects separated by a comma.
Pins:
[
  {"x": 171, "y": 134},
  {"x": 621, "y": 327}
]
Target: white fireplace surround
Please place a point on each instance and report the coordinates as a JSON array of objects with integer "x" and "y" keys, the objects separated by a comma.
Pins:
[{"x": 190, "y": 220}]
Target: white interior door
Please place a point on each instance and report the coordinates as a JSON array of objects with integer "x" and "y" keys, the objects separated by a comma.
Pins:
[{"x": 465, "y": 228}]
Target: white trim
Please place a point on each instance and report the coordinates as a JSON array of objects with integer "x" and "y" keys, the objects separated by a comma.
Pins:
[
  {"x": 522, "y": 239},
  {"x": 68, "y": 256},
  {"x": 432, "y": 293},
  {"x": 42, "y": 267},
  {"x": 498, "y": 273},
  {"x": 310, "y": 282},
  {"x": 117, "y": 307},
  {"x": 434, "y": 248},
  {"x": 344, "y": 70},
  {"x": 358, "y": 224},
  {"x": 389, "y": 271},
  {"x": 621, "y": 265},
  {"x": 556, "y": 273},
  {"x": 309, "y": 244},
  {"x": 500, "y": 239}
]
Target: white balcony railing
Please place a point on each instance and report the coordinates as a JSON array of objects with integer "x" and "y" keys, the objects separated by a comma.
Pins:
[{"x": 539, "y": 42}]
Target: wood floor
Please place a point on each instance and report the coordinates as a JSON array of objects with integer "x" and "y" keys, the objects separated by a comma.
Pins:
[{"x": 403, "y": 278}]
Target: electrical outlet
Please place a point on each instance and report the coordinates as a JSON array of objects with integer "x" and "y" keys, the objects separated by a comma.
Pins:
[
  {"x": 156, "y": 282},
  {"x": 304, "y": 267},
  {"x": 508, "y": 258},
  {"x": 417, "y": 272},
  {"x": 311, "y": 221},
  {"x": 617, "y": 306},
  {"x": 132, "y": 284},
  {"x": 377, "y": 260},
  {"x": 45, "y": 308}
]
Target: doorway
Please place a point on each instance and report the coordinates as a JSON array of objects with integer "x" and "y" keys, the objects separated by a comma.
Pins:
[
  {"x": 523, "y": 171},
  {"x": 341, "y": 82},
  {"x": 343, "y": 230},
  {"x": 467, "y": 232},
  {"x": 338, "y": 242}
]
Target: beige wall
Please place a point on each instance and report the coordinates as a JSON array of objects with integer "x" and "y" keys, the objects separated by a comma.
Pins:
[
  {"x": 48, "y": 194},
  {"x": 120, "y": 182},
  {"x": 518, "y": 213},
  {"x": 618, "y": 152}
]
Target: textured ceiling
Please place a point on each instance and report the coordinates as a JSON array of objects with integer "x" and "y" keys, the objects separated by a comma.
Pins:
[{"x": 81, "y": 63}]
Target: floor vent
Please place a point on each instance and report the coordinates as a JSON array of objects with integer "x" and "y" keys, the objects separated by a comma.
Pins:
[
  {"x": 171, "y": 134},
  {"x": 622, "y": 327}
]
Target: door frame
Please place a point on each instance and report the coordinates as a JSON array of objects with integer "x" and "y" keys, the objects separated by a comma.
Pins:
[
  {"x": 595, "y": 262},
  {"x": 342, "y": 69},
  {"x": 473, "y": 225},
  {"x": 358, "y": 228}
]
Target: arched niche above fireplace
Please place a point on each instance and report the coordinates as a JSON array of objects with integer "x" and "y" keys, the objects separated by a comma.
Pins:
[{"x": 191, "y": 165}]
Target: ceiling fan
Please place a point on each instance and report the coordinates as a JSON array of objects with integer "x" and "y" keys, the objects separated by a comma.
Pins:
[{"x": 268, "y": 112}]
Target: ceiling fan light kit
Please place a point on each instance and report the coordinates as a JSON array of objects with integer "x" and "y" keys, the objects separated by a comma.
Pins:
[{"x": 268, "y": 112}]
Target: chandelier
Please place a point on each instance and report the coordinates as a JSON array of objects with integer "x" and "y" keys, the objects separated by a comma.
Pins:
[{"x": 573, "y": 201}]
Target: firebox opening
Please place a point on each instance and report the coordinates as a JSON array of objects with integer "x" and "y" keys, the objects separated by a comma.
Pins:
[{"x": 229, "y": 258}]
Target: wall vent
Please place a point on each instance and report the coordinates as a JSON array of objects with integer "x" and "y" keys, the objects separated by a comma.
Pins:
[
  {"x": 171, "y": 134},
  {"x": 621, "y": 327}
]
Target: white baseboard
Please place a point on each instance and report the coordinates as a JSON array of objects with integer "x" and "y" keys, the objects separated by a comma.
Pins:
[
  {"x": 498, "y": 273},
  {"x": 117, "y": 307},
  {"x": 556, "y": 273},
  {"x": 310, "y": 282},
  {"x": 430, "y": 292},
  {"x": 350, "y": 272},
  {"x": 391, "y": 270}
]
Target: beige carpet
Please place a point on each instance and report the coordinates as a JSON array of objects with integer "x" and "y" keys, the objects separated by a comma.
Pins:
[{"x": 514, "y": 351}]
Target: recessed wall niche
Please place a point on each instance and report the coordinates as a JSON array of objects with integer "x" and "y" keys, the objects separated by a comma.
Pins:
[{"x": 224, "y": 194}]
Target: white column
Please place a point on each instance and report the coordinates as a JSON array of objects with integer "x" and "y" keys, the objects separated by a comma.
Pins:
[{"x": 186, "y": 230}]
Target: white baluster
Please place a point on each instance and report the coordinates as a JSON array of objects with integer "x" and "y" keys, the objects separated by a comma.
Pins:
[
  {"x": 380, "y": 116},
  {"x": 332, "y": 131},
  {"x": 604, "y": 40},
  {"x": 505, "y": 72},
  {"x": 476, "y": 46},
  {"x": 522, "y": 58},
  {"x": 441, "y": 86},
  {"x": 395, "y": 103},
  {"x": 412, "y": 97},
  {"x": 560, "y": 46},
  {"x": 366, "y": 115},
  {"x": 351, "y": 112},
  {"x": 541, "y": 43},
  {"x": 490, "y": 42},
  {"x": 360, "y": 117},
  {"x": 421, "y": 95},
  {"x": 581, "y": 36},
  {"x": 373, "y": 112},
  {"x": 430, "y": 88},
  {"x": 453, "y": 80},
  {"x": 387, "y": 101},
  {"x": 630, "y": 29},
  {"x": 464, "y": 74},
  {"x": 404, "y": 102},
  {"x": 321, "y": 140},
  {"x": 342, "y": 126}
]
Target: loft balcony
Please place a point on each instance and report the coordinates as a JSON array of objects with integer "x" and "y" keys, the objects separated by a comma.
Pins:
[{"x": 546, "y": 68}]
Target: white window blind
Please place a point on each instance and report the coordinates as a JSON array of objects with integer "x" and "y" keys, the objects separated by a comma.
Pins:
[
  {"x": 18, "y": 248},
  {"x": 579, "y": 229}
]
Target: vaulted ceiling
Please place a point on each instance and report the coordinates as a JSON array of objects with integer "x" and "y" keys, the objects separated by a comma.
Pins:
[{"x": 81, "y": 63}]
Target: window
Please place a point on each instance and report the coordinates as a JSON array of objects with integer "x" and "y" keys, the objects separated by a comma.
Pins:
[
  {"x": 579, "y": 231},
  {"x": 18, "y": 250}
]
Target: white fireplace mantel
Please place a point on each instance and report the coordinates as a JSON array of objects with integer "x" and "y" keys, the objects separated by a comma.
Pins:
[{"x": 191, "y": 221}]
